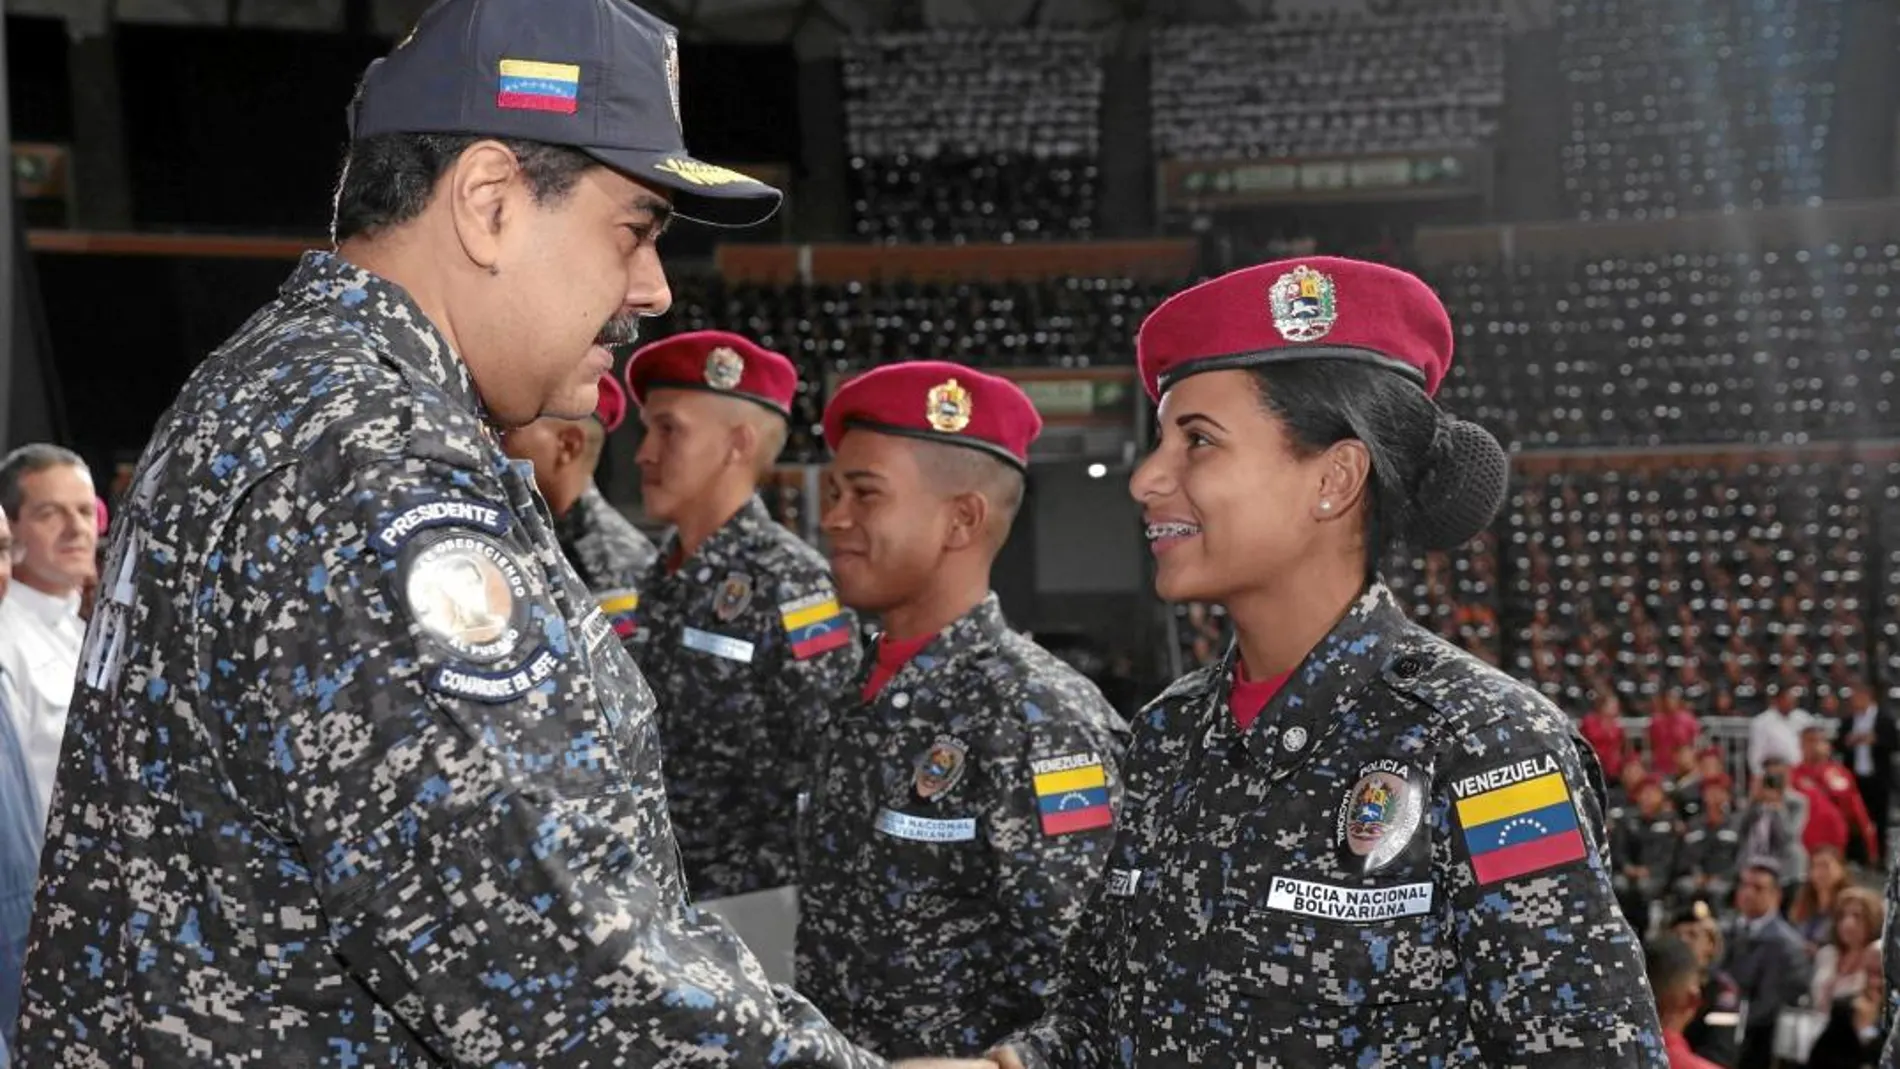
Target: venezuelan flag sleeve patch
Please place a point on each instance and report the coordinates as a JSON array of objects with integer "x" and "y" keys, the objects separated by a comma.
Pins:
[
  {"x": 1518, "y": 819},
  {"x": 815, "y": 624},
  {"x": 619, "y": 605},
  {"x": 1072, "y": 793}
]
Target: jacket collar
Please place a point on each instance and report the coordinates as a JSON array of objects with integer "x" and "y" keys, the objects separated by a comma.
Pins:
[
  {"x": 726, "y": 542},
  {"x": 1294, "y": 724},
  {"x": 387, "y": 319},
  {"x": 975, "y": 632}
]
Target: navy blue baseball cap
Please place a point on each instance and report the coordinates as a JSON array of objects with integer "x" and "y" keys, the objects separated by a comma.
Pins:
[{"x": 601, "y": 76}]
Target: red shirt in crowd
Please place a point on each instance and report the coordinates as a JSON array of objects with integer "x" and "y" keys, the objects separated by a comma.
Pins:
[
  {"x": 1670, "y": 732},
  {"x": 1831, "y": 780},
  {"x": 1826, "y": 825},
  {"x": 1605, "y": 736},
  {"x": 1681, "y": 1056}
]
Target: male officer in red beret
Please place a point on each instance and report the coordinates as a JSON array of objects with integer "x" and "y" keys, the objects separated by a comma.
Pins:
[
  {"x": 965, "y": 794},
  {"x": 605, "y": 548},
  {"x": 737, "y": 624}
]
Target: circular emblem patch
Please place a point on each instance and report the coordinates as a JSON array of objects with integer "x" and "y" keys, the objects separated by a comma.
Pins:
[
  {"x": 724, "y": 368},
  {"x": 1379, "y": 815},
  {"x": 465, "y": 591},
  {"x": 735, "y": 594},
  {"x": 1303, "y": 304},
  {"x": 948, "y": 407},
  {"x": 941, "y": 768}
]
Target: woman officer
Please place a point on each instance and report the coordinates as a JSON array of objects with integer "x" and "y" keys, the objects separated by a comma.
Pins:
[{"x": 1347, "y": 843}]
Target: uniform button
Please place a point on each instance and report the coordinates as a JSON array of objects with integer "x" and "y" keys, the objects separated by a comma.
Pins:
[
  {"x": 1294, "y": 740},
  {"x": 704, "y": 574},
  {"x": 1408, "y": 668},
  {"x": 899, "y": 700}
]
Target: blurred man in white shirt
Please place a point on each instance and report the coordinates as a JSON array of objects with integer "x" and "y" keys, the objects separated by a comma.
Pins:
[
  {"x": 48, "y": 498},
  {"x": 20, "y": 838},
  {"x": 1775, "y": 733}
]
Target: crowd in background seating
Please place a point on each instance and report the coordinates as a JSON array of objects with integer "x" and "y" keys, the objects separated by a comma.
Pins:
[
  {"x": 1284, "y": 88},
  {"x": 1696, "y": 104},
  {"x": 1780, "y": 346},
  {"x": 973, "y": 134}
]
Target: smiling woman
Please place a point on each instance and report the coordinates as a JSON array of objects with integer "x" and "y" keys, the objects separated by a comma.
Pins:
[{"x": 1341, "y": 843}]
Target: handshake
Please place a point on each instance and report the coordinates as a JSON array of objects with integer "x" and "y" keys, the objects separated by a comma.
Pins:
[{"x": 1000, "y": 1058}]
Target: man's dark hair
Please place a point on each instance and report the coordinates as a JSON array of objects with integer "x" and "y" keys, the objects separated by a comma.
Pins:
[
  {"x": 1670, "y": 963},
  {"x": 30, "y": 460},
  {"x": 388, "y": 179}
]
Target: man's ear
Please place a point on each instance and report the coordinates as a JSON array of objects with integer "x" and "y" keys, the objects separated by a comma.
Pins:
[
  {"x": 480, "y": 188},
  {"x": 969, "y": 518},
  {"x": 570, "y": 442},
  {"x": 743, "y": 442}
]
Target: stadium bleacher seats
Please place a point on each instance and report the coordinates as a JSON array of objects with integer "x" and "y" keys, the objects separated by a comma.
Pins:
[
  {"x": 1430, "y": 79},
  {"x": 1453, "y": 594},
  {"x": 1696, "y": 104},
  {"x": 1064, "y": 323},
  {"x": 1771, "y": 348},
  {"x": 973, "y": 134},
  {"x": 1699, "y": 580}
]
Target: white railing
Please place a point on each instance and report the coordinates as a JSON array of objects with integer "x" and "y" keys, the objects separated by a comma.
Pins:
[{"x": 1728, "y": 732}]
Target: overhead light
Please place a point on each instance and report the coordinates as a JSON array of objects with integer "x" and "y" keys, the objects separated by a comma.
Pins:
[{"x": 1096, "y": 471}]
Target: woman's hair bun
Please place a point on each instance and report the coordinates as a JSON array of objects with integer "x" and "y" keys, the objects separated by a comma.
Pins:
[{"x": 1463, "y": 487}]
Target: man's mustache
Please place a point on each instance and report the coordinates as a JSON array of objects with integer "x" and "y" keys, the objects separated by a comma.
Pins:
[{"x": 620, "y": 330}]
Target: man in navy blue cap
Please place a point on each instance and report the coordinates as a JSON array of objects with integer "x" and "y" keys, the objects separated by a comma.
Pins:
[{"x": 357, "y": 772}]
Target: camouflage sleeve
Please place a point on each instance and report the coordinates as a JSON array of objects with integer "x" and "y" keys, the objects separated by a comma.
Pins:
[
  {"x": 819, "y": 655},
  {"x": 1074, "y": 1032},
  {"x": 1055, "y": 785},
  {"x": 475, "y": 788},
  {"x": 1554, "y": 972}
]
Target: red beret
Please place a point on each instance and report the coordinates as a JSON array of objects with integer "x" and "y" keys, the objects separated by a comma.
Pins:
[
  {"x": 939, "y": 402},
  {"x": 611, "y": 409},
  {"x": 717, "y": 362},
  {"x": 1317, "y": 307}
]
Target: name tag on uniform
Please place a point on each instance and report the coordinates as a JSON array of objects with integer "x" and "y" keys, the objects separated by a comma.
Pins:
[
  {"x": 926, "y": 829},
  {"x": 1359, "y": 904},
  {"x": 596, "y": 629},
  {"x": 732, "y": 649}
]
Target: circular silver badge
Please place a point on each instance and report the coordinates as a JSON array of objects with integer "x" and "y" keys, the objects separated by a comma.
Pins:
[
  {"x": 1294, "y": 740},
  {"x": 467, "y": 591},
  {"x": 1379, "y": 815}
]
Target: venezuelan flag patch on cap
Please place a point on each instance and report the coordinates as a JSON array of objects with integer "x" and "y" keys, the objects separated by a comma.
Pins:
[
  {"x": 1072, "y": 793},
  {"x": 1518, "y": 819},
  {"x": 815, "y": 624},
  {"x": 527, "y": 85}
]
